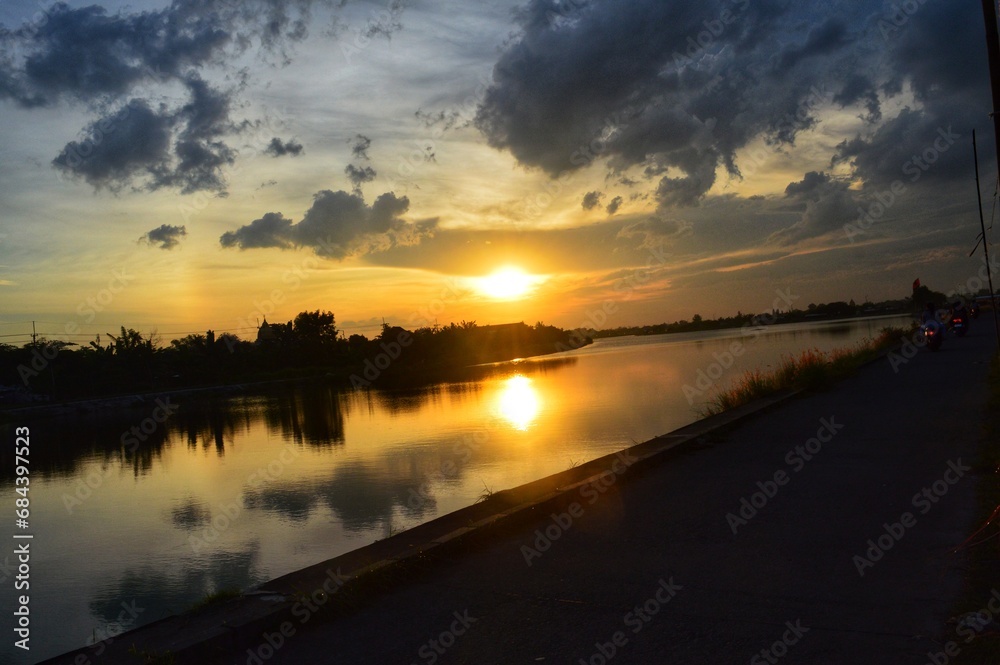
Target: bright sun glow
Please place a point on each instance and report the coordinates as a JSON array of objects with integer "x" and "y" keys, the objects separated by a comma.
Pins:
[
  {"x": 519, "y": 403},
  {"x": 508, "y": 283}
]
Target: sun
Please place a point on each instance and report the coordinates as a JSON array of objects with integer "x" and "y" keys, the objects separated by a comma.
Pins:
[
  {"x": 518, "y": 402},
  {"x": 507, "y": 283}
]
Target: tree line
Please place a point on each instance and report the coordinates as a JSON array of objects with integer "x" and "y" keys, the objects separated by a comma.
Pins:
[{"x": 308, "y": 345}]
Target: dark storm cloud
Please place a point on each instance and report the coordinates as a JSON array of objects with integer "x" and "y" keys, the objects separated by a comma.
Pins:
[
  {"x": 271, "y": 230},
  {"x": 141, "y": 147},
  {"x": 673, "y": 90},
  {"x": 823, "y": 39},
  {"x": 279, "y": 148},
  {"x": 591, "y": 200},
  {"x": 165, "y": 235},
  {"x": 857, "y": 89},
  {"x": 949, "y": 79},
  {"x": 809, "y": 184},
  {"x": 88, "y": 55},
  {"x": 830, "y": 205},
  {"x": 338, "y": 225},
  {"x": 114, "y": 150},
  {"x": 85, "y": 53}
]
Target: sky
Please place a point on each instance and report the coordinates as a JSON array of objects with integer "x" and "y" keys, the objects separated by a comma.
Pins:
[{"x": 175, "y": 167}]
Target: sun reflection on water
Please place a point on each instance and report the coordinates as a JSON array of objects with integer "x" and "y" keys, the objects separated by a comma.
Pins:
[{"x": 518, "y": 402}]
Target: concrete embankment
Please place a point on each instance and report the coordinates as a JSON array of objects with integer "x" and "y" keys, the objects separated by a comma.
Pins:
[{"x": 821, "y": 529}]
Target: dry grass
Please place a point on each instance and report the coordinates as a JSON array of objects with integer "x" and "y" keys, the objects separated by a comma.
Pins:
[{"x": 811, "y": 370}]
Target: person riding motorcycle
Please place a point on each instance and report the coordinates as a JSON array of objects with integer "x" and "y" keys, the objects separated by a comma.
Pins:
[
  {"x": 930, "y": 319},
  {"x": 959, "y": 321}
]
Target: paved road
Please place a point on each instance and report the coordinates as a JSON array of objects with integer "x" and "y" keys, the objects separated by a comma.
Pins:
[{"x": 664, "y": 569}]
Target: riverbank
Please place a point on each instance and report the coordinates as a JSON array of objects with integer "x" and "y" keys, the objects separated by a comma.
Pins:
[{"x": 795, "y": 559}]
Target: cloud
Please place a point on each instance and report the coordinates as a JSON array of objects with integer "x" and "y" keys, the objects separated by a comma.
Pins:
[
  {"x": 675, "y": 90},
  {"x": 359, "y": 148},
  {"x": 271, "y": 230},
  {"x": 165, "y": 235},
  {"x": 145, "y": 148},
  {"x": 655, "y": 231},
  {"x": 591, "y": 200},
  {"x": 830, "y": 204},
  {"x": 622, "y": 84},
  {"x": 614, "y": 205},
  {"x": 88, "y": 55},
  {"x": 810, "y": 183},
  {"x": 359, "y": 175},
  {"x": 277, "y": 148},
  {"x": 135, "y": 140},
  {"x": 827, "y": 37},
  {"x": 338, "y": 225}
]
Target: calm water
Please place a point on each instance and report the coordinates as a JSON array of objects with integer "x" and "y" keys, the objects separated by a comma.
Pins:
[{"x": 231, "y": 492}]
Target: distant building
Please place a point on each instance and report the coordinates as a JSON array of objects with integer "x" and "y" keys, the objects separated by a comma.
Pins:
[{"x": 265, "y": 334}]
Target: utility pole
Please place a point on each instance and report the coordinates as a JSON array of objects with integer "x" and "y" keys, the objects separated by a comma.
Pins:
[
  {"x": 993, "y": 55},
  {"x": 986, "y": 245}
]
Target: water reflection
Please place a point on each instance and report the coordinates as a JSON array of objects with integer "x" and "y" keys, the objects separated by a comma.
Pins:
[
  {"x": 131, "y": 438},
  {"x": 518, "y": 402},
  {"x": 147, "y": 593}
]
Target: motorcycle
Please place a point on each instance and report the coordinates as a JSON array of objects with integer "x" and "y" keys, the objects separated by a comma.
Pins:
[
  {"x": 959, "y": 324},
  {"x": 932, "y": 335}
]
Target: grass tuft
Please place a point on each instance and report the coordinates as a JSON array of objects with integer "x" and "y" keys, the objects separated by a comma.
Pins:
[
  {"x": 812, "y": 370},
  {"x": 220, "y": 596}
]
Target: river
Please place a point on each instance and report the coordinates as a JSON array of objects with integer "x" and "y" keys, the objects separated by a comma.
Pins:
[{"x": 140, "y": 513}]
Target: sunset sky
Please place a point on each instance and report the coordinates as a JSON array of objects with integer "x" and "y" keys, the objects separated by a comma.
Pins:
[{"x": 200, "y": 164}]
